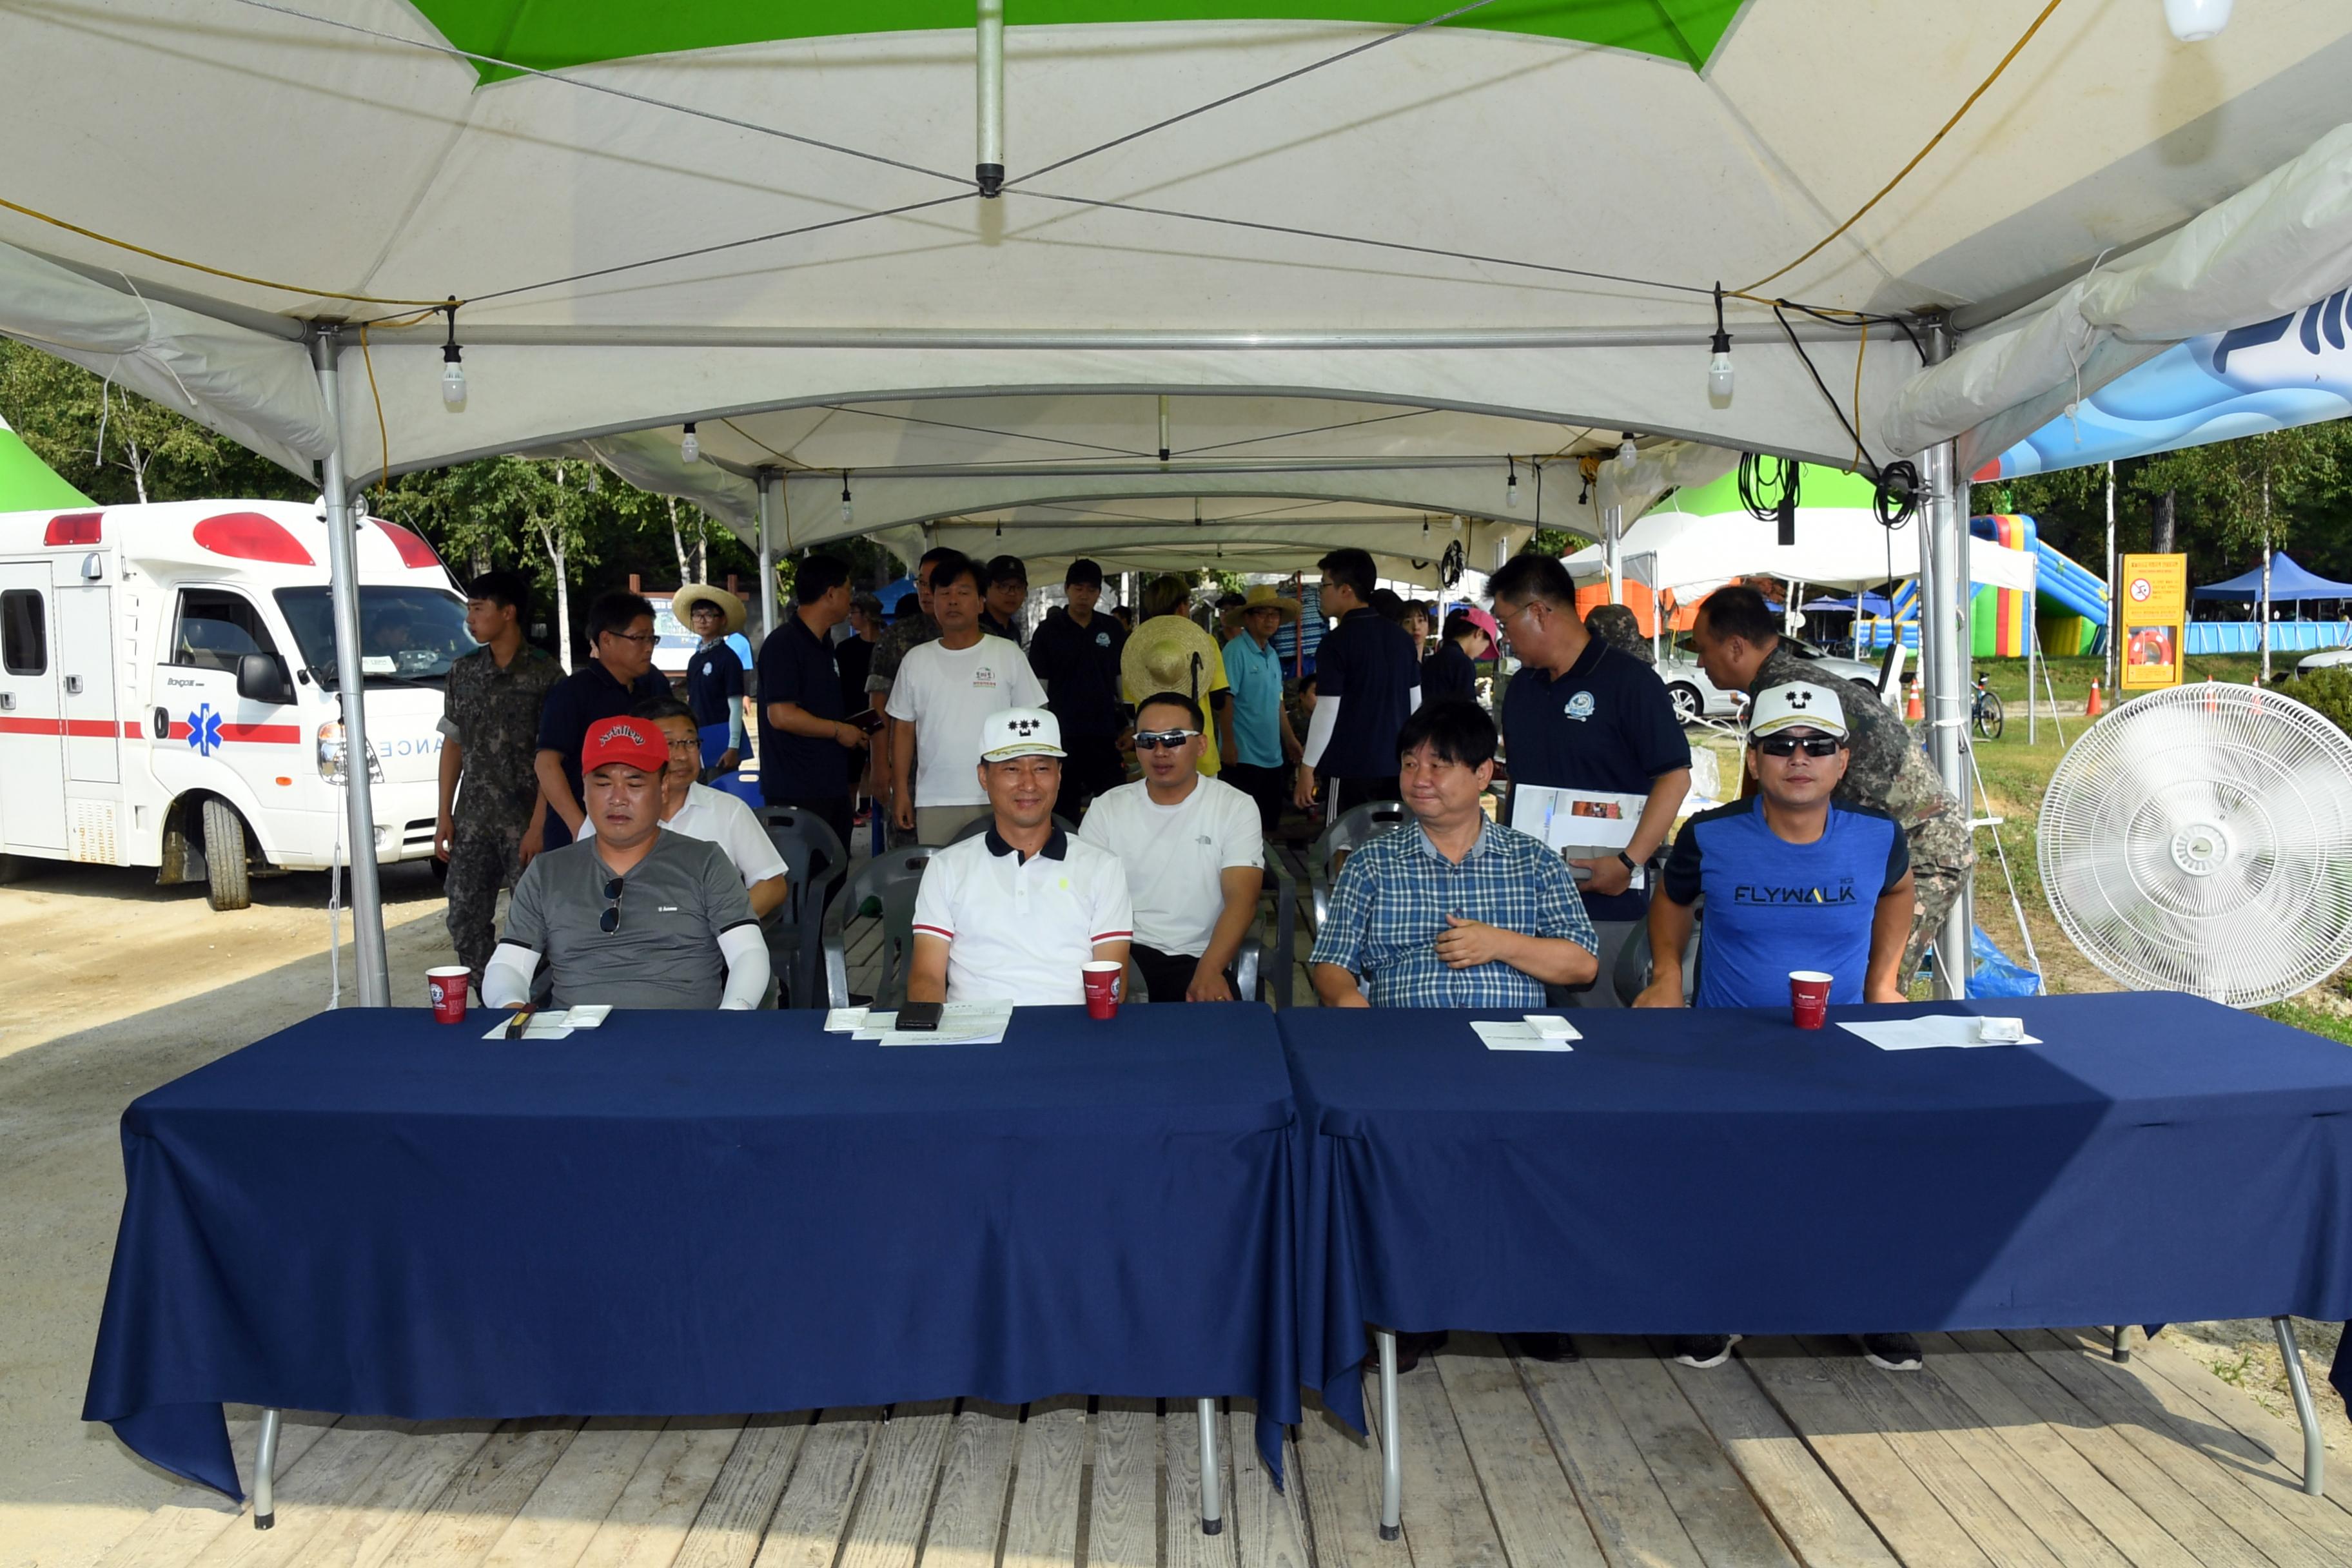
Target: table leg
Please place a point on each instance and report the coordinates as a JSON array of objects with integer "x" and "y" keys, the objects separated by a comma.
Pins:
[
  {"x": 1213, "y": 1512},
  {"x": 2121, "y": 1348},
  {"x": 1391, "y": 1446},
  {"x": 2292, "y": 1354},
  {"x": 265, "y": 1476}
]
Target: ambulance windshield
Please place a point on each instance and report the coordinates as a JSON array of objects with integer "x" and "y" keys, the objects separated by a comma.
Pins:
[{"x": 405, "y": 634}]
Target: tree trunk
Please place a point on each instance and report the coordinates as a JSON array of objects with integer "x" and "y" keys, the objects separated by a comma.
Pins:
[
  {"x": 678, "y": 542},
  {"x": 138, "y": 467},
  {"x": 2160, "y": 526},
  {"x": 563, "y": 598}
]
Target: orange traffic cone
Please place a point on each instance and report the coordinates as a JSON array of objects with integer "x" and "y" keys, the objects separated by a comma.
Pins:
[
  {"x": 2211, "y": 706},
  {"x": 1911, "y": 709},
  {"x": 2094, "y": 708}
]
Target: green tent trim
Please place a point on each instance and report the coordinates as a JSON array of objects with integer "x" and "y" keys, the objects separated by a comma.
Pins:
[
  {"x": 26, "y": 483},
  {"x": 550, "y": 35}
]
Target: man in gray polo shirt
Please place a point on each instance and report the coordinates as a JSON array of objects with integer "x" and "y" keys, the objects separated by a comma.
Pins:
[{"x": 636, "y": 916}]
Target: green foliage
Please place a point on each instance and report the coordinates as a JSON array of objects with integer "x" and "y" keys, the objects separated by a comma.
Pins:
[
  {"x": 118, "y": 447},
  {"x": 2327, "y": 691},
  {"x": 1551, "y": 541}
]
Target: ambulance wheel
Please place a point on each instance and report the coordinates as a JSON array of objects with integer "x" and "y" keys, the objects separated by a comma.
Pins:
[{"x": 228, "y": 886}]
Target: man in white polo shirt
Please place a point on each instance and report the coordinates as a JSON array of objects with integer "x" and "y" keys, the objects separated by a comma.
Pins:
[
  {"x": 700, "y": 812},
  {"x": 1194, "y": 850},
  {"x": 1013, "y": 914},
  {"x": 943, "y": 692}
]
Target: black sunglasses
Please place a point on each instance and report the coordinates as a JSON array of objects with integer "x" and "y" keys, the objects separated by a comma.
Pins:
[
  {"x": 610, "y": 922},
  {"x": 1787, "y": 745},
  {"x": 1151, "y": 740}
]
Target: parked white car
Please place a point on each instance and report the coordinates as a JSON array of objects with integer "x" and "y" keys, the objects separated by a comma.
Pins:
[
  {"x": 2326, "y": 658},
  {"x": 1695, "y": 696}
]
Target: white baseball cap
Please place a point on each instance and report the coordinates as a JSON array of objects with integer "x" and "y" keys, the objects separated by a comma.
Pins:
[
  {"x": 1020, "y": 732},
  {"x": 1798, "y": 705}
]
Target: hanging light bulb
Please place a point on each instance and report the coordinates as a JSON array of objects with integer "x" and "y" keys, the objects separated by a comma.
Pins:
[
  {"x": 689, "y": 447},
  {"x": 1627, "y": 456},
  {"x": 847, "y": 512},
  {"x": 2194, "y": 21},
  {"x": 453, "y": 368},
  {"x": 1719, "y": 369},
  {"x": 1511, "y": 485}
]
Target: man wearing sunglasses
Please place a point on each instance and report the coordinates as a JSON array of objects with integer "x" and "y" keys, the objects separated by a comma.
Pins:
[
  {"x": 1792, "y": 880},
  {"x": 636, "y": 916},
  {"x": 1193, "y": 851}
]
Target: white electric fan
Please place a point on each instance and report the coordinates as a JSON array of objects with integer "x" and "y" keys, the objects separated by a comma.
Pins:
[{"x": 2200, "y": 839}]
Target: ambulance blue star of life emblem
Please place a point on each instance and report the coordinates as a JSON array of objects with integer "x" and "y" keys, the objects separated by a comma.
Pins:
[{"x": 204, "y": 730}]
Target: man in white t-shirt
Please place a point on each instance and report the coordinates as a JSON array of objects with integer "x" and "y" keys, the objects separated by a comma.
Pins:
[
  {"x": 700, "y": 812},
  {"x": 943, "y": 692},
  {"x": 1013, "y": 914},
  {"x": 1193, "y": 850}
]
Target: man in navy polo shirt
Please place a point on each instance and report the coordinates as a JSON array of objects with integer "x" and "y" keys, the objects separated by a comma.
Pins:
[
  {"x": 619, "y": 675},
  {"x": 1584, "y": 715},
  {"x": 1074, "y": 655},
  {"x": 1371, "y": 683},
  {"x": 1792, "y": 881},
  {"x": 808, "y": 749}
]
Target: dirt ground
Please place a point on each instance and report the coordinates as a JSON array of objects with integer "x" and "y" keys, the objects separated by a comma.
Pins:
[
  {"x": 113, "y": 986},
  {"x": 2242, "y": 1353}
]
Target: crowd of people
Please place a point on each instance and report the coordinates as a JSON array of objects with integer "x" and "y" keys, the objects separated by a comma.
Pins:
[{"x": 636, "y": 883}]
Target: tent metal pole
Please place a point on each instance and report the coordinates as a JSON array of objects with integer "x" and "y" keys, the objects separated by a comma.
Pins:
[
  {"x": 2114, "y": 665},
  {"x": 1612, "y": 540},
  {"x": 988, "y": 96},
  {"x": 351, "y": 686},
  {"x": 1943, "y": 660},
  {"x": 769, "y": 486}
]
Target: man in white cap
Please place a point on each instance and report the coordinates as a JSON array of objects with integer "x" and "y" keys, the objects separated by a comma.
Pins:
[
  {"x": 1013, "y": 914},
  {"x": 1792, "y": 881}
]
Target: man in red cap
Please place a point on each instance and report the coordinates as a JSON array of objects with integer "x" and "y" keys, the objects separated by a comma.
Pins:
[{"x": 636, "y": 916}]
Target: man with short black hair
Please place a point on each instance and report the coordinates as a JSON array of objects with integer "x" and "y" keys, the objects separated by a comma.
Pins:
[
  {"x": 943, "y": 695},
  {"x": 694, "y": 809},
  {"x": 714, "y": 674},
  {"x": 619, "y": 675},
  {"x": 1371, "y": 684},
  {"x": 911, "y": 627},
  {"x": 1739, "y": 645},
  {"x": 1792, "y": 881},
  {"x": 1075, "y": 656},
  {"x": 1455, "y": 911},
  {"x": 1005, "y": 588},
  {"x": 1016, "y": 914},
  {"x": 1453, "y": 670},
  {"x": 1193, "y": 852},
  {"x": 633, "y": 916},
  {"x": 491, "y": 812},
  {"x": 808, "y": 749},
  {"x": 1586, "y": 717}
]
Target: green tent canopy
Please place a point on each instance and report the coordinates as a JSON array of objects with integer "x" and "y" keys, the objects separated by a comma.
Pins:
[{"x": 26, "y": 483}]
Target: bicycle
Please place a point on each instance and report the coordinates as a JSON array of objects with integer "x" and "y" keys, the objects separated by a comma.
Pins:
[{"x": 1985, "y": 711}]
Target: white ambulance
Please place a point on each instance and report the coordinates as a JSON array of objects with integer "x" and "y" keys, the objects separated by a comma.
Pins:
[{"x": 168, "y": 689}]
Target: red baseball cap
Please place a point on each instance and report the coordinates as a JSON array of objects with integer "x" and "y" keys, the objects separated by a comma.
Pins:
[{"x": 634, "y": 743}]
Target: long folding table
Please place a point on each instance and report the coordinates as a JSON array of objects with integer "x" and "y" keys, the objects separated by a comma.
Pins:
[
  {"x": 2156, "y": 1158},
  {"x": 686, "y": 1212}
]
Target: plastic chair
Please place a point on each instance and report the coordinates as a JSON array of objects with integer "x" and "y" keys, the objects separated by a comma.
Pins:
[
  {"x": 891, "y": 878},
  {"x": 1632, "y": 977},
  {"x": 815, "y": 864},
  {"x": 1351, "y": 833},
  {"x": 1890, "y": 673}
]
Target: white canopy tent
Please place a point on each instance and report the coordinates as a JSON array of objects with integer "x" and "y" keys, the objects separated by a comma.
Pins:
[
  {"x": 1836, "y": 547},
  {"x": 1499, "y": 237}
]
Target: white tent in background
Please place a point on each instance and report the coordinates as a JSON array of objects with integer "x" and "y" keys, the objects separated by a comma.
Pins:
[{"x": 1363, "y": 273}]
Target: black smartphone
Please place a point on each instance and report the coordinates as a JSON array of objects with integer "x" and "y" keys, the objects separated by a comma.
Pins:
[
  {"x": 917, "y": 1017},
  {"x": 868, "y": 720}
]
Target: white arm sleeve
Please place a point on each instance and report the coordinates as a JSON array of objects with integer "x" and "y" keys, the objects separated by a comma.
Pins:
[
  {"x": 1412, "y": 702},
  {"x": 506, "y": 979},
  {"x": 746, "y": 953},
  {"x": 1319, "y": 728},
  {"x": 734, "y": 726}
]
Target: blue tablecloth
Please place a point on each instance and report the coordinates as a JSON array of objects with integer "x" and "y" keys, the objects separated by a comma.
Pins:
[
  {"x": 695, "y": 1213},
  {"x": 2159, "y": 1159}
]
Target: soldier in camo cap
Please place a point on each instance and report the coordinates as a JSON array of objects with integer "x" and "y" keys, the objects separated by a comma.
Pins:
[
  {"x": 1615, "y": 624},
  {"x": 1739, "y": 645}
]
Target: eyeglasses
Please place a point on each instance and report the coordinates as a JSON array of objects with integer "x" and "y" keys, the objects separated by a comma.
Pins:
[
  {"x": 610, "y": 922},
  {"x": 1504, "y": 618},
  {"x": 1787, "y": 745},
  {"x": 1171, "y": 739},
  {"x": 646, "y": 638}
]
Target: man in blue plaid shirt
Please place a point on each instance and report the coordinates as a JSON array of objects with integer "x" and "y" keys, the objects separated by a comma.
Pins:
[{"x": 1455, "y": 911}]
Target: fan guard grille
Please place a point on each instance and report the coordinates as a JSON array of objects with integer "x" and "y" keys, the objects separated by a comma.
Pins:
[{"x": 2200, "y": 839}]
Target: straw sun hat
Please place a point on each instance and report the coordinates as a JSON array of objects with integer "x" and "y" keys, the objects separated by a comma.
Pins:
[
  {"x": 682, "y": 603},
  {"x": 1169, "y": 653},
  {"x": 1263, "y": 595}
]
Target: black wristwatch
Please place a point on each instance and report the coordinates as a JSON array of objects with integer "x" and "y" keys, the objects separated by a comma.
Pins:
[{"x": 1631, "y": 863}]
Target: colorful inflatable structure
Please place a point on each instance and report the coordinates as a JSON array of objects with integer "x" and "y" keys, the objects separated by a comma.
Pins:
[{"x": 2070, "y": 602}]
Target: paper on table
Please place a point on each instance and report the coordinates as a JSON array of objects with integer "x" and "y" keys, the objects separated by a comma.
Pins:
[
  {"x": 1508, "y": 1037},
  {"x": 960, "y": 1024},
  {"x": 846, "y": 1020},
  {"x": 1940, "y": 1030},
  {"x": 588, "y": 1015},
  {"x": 542, "y": 1027}
]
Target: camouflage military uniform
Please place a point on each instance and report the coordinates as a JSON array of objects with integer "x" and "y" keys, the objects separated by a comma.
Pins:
[
  {"x": 889, "y": 652},
  {"x": 493, "y": 715},
  {"x": 1616, "y": 626},
  {"x": 1888, "y": 771}
]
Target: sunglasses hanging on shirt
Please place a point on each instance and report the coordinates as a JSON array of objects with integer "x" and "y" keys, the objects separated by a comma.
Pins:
[{"x": 610, "y": 921}]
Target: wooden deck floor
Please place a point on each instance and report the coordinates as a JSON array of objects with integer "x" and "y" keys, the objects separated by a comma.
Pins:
[{"x": 2021, "y": 1449}]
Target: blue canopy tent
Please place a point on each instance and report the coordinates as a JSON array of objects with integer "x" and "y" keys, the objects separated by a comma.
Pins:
[
  {"x": 891, "y": 593},
  {"x": 1861, "y": 604},
  {"x": 2289, "y": 584}
]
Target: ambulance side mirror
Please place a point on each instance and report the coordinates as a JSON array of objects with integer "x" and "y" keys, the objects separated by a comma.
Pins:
[{"x": 262, "y": 678}]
